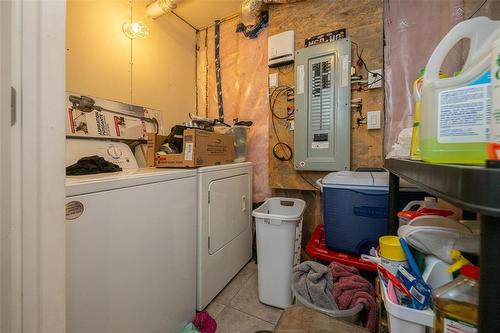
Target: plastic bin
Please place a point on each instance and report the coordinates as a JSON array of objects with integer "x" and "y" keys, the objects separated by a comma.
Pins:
[
  {"x": 350, "y": 315},
  {"x": 279, "y": 226},
  {"x": 406, "y": 320}
]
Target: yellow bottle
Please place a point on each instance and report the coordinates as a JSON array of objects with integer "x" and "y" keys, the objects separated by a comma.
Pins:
[
  {"x": 456, "y": 303},
  {"x": 417, "y": 94}
]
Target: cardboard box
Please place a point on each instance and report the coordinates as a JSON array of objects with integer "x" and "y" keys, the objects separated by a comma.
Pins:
[
  {"x": 200, "y": 148},
  {"x": 154, "y": 143}
]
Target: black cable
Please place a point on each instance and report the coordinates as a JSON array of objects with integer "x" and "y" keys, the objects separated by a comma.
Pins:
[
  {"x": 184, "y": 20},
  {"x": 365, "y": 86},
  {"x": 285, "y": 157},
  {"x": 274, "y": 97},
  {"x": 280, "y": 144},
  {"x": 364, "y": 63},
  {"x": 278, "y": 91},
  {"x": 484, "y": 2}
]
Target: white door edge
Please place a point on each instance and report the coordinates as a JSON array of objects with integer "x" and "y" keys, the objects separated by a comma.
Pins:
[{"x": 33, "y": 261}]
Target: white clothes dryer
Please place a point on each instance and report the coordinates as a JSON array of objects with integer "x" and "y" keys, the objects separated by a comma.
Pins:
[{"x": 224, "y": 226}]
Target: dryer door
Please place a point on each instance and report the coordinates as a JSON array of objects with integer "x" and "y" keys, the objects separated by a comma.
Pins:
[{"x": 228, "y": 210}]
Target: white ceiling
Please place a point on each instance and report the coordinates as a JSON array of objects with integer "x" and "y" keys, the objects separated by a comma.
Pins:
[{"x": 201, "y": 13}]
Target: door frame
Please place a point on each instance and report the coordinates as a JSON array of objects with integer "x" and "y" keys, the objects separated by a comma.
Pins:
[{"x": 36, "y": 256}]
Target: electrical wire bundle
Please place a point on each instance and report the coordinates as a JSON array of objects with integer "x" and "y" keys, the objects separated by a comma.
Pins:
[
  {"x": 361, "y": 63},
  {"x": 286, "y": 151}
]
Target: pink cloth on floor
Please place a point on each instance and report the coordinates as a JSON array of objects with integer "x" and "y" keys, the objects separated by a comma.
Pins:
[
  {"x": 350, "y": 289},
  {"x": 204, "y": 322}
]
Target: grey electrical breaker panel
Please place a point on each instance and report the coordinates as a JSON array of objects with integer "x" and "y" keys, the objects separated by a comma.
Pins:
[{"x": 322, "y": 135}]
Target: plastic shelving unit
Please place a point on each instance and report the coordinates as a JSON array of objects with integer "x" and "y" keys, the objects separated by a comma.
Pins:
[{"x": 475, "y": 189}]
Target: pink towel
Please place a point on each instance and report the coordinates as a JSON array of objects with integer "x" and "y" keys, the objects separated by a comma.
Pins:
[
  {"x": 350, "y": 289},
  {"x": 204, "y": 322}
]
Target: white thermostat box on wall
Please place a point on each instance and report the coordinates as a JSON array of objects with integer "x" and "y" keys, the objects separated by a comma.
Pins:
[{"x": 281, "y": 49}]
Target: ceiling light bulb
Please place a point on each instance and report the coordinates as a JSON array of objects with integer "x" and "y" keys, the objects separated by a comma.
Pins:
[{"x": 135, "y": 30}]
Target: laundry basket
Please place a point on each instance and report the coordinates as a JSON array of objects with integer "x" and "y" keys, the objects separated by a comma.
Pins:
[
  {"x": 279, "y": 233},
  {"x": 349, "y": 315}
]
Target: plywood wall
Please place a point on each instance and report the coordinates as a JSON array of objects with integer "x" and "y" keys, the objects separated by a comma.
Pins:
[
  {"x": 364, "y": 23},
  {"x": 157, "y": 72}
]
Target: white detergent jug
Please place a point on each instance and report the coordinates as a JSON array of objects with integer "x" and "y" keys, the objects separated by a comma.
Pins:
[{"x": 455, "y": 111}]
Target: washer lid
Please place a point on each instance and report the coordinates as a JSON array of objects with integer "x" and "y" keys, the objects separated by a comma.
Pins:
[{"x": 77, "y": 185}]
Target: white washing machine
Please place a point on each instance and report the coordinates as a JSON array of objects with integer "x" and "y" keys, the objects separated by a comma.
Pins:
[
  {"x": 130, "y": 245},
  {"x": 224, "y": 226}
]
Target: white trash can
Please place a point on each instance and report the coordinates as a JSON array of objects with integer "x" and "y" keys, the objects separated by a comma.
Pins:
[{"x": 279, "y": 232}]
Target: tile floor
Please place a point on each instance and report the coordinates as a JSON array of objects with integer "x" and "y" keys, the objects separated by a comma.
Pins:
[{"x": 237, "y": 308}]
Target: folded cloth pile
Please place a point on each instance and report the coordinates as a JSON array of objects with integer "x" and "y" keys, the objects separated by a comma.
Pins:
[
  {"x": 91, "y": 165},
  {"x": 350, "y": 289},
  {"x": 314, "y": 282}
]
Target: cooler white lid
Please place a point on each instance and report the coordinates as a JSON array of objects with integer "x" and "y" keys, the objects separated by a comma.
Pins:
[
  {"x": 357, "y": 179},
  {"x": 380, "y": 178}
]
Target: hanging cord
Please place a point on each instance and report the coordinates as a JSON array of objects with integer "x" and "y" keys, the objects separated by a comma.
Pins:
[
  {"x": 361, "y": 63},
  {"x": 287, "y": 151},
  {"x": 484, "y": 2}
]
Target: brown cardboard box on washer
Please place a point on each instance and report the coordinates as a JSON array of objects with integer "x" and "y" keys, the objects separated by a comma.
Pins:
[{"x": 200, "y": 148}]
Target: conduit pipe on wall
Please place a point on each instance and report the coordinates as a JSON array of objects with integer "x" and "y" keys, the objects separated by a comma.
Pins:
[
  {"x": 160, "y": 7},
  {"x": 250, "y": 9}
]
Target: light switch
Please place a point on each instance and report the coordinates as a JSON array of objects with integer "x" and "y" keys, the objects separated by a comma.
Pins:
[
  {"x": 373, "y": 119},
  {"x": 273, "y": 80}
]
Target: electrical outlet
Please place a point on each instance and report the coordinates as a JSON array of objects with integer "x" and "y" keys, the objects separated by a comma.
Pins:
[
  {"x": 375, "y": 79},
  {"x": 273, "y": 80},
  {"x": 373, "y": 119}
]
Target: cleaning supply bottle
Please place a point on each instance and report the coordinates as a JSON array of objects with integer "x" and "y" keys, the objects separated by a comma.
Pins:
[
  {"x": 417, "y": 96},
  {"x": 415, "y": 144},
  {"x": 459, "y": 261},
  {"x": 456, "y": 303},
  {"x": 455, "y": 111},
  {"x": 494, "y": 145}
]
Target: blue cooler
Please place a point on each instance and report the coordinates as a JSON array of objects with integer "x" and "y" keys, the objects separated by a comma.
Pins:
[{"x": 355, "y": 208}]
